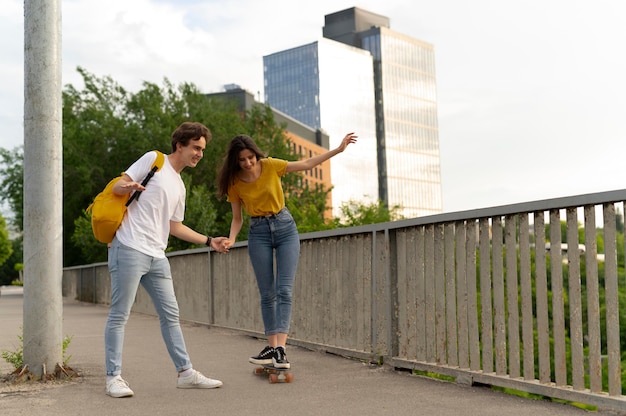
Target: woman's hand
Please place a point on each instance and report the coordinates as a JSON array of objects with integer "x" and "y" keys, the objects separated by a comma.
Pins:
[
  {"x": 227, "y": 244},
  {"x": 348, "y": 139},
  {"x": 310, "y": 163},
  {"x": 217, "y": 243}
]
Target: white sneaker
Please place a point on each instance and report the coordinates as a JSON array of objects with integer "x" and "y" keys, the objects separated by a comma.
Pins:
[
  {"x": 118, "y": 387},
  {"x": 197, "y": 381}
]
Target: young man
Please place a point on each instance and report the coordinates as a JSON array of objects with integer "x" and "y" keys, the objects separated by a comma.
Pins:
[{"x": 137, "y": 255}]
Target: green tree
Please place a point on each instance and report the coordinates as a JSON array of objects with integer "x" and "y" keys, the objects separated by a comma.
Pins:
[
  {"x": 91, "y": 250},
  {"x": 355, "y": 213},
  {"x": 106, "y": 128},
  {"x": 11, "y": 186},
  {"x": 619, "y": 221},
  {"x": 307, "y": 206},
  {"x": 6, "y": 248},
  {"x": 200, "y": 214},
  {"x": 120, "y": 126},
  {"x": 8, "y": 271}
]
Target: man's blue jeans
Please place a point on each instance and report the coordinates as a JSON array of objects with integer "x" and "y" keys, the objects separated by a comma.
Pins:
[
  {"x": 268, "y": 235},
  {"x": 129, "y": 268}
]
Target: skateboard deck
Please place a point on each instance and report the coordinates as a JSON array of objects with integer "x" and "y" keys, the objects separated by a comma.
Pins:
[{"x": 275, "y": 375}]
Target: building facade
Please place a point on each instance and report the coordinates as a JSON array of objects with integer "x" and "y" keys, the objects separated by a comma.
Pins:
[
  {"x": 402, "y": 110},
  {"x": 304, "y": 140},
  {"x": 327, "y": 85}
]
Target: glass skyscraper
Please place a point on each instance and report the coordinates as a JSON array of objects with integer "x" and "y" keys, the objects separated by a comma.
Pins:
[
  {"x": 328, "y": 85},
  {"x": 398, "y": 102}
]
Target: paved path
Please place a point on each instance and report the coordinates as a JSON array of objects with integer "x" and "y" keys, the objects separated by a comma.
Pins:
[{"x": 324, "y": 384}]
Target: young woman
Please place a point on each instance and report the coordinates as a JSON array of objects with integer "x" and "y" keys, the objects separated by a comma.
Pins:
[{"x": 251, "y": 181}]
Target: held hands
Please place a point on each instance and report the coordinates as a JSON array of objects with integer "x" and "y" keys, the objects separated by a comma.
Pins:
[
  {"x": 227, "y": 244},
  {"x": 221, "y": 244},
  {"x": 348, "y": 139},
  {"x": 218, "y": 244}
]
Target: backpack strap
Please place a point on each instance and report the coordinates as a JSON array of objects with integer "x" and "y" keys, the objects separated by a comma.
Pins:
[
  {"x": 156, "y": 166},
  {"x": 158, "y": 162}
]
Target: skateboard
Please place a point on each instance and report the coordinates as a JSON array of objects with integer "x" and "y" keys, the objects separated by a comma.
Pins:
[{"x": 275, "y": 375}]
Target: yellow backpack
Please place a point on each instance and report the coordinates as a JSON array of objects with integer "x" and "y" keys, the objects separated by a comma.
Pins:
[{"x": 108, "y": 209}]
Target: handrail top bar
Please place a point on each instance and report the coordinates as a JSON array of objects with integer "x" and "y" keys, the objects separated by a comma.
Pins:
[{"x": 502, "y": 210}]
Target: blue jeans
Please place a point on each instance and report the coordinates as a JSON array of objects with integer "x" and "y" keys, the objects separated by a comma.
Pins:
[
  {"x": 268, "y": 235},
  {"x": 128, "y": 268}
]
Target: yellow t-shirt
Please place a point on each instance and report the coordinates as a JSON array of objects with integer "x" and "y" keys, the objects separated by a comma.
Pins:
[{"x": 265, "y": 195}]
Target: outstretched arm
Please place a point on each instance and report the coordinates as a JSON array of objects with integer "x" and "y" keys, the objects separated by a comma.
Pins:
[
  {"x": 307, "y": 164},
  {"x": 180, "y": 230}
]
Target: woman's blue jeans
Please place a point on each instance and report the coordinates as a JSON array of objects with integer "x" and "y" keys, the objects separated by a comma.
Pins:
[
  {"x": 274, "y": 234},
  {"x": 129, "y": 268}
]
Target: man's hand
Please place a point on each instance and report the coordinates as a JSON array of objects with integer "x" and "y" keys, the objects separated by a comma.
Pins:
[
  {"x": 218, "y": 244},
  {"x": 133, "y": 185}
]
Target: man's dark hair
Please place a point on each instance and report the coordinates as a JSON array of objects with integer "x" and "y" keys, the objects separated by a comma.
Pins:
[{"x": 189, "y": 131}]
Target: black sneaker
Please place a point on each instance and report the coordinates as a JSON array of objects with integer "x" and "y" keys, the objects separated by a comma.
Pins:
[
  {"x": 280, "y": 358},
  {"x": 265, "y": 357}
]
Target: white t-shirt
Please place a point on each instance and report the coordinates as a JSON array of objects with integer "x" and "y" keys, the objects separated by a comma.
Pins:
[{"x": 146, "y": 225}]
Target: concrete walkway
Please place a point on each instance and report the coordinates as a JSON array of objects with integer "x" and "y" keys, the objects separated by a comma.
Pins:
[{"x": 324, "y": 384}]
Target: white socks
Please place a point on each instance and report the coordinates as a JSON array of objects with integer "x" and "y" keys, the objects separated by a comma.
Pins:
[{"x": 186, "y": 373}]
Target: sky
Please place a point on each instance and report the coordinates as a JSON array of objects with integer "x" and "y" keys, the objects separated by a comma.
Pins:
[{"x": 531, "y": 95}]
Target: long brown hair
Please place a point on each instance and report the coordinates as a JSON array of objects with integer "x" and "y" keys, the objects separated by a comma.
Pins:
[{"x": 230, "y": 166}]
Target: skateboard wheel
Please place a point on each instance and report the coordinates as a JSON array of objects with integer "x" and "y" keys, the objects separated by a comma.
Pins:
[
  {"x": 259, "y": 370},
  {"x": 273, "y": 378},
  {"x": 288, "y": 377}
]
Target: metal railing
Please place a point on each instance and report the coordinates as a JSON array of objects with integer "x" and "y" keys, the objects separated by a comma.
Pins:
[{"x": 516, "y": 296}]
